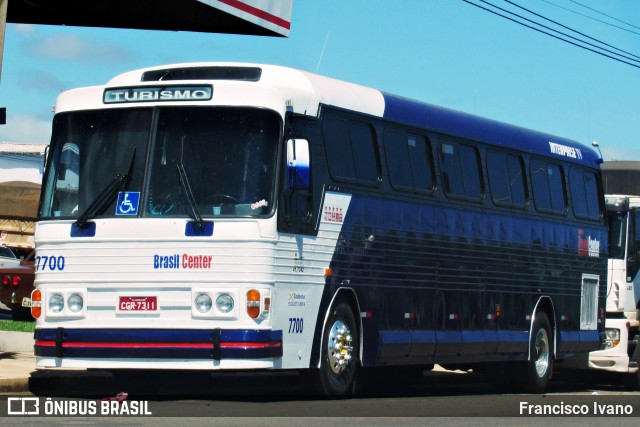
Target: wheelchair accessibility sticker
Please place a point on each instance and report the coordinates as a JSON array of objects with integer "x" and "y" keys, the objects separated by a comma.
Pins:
[{"x": 128, "y": 202}]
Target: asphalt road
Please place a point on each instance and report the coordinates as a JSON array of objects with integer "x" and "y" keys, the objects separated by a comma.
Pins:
[{"x": 277, "y": 397}]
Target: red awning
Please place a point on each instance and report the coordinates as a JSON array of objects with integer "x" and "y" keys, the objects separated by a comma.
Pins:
[{"x": 253, "y": 17}]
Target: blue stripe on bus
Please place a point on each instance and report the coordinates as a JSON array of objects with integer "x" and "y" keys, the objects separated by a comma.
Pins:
[
  {"x": 431, "y": 337},
  {"x": 463, "y": 125},
  {"x": 578, "y": 341}
]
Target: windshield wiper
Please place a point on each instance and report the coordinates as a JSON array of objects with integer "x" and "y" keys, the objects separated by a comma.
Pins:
[
  {"x": 186, "y": 186},
  {"x": 106, "y": 196}
]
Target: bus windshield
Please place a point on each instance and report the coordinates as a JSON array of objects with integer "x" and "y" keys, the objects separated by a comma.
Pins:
[{"x": 226, "y": 157}]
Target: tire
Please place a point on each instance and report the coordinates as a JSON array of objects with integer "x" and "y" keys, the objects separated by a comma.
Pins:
[
  {"x": 533, "y": 376},
  {"x": 338, "y": 353}
]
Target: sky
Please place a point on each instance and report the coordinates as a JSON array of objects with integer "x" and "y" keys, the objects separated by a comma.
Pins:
[{"x": 445, "y": 52}]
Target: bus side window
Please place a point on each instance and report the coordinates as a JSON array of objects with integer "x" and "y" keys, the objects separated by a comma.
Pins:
[
  {"x": 460, "y": 171},
  {"x": 548, "y": 189},
  {"x": 67, "y": 184}
]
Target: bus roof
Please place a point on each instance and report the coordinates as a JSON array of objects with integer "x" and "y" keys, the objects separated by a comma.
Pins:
[{"x": 306, "y": 92}]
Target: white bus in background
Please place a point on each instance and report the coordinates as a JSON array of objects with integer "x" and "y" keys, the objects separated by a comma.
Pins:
[
  {"x": 621, "y": 181},
  {"x": 222, "y": 216}
]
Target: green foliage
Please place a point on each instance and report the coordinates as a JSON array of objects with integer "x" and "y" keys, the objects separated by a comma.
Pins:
[{"x": 14, "y": 326}]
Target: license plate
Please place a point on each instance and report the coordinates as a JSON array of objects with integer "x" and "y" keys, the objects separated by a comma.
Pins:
[
  {"x": 146, "y": 304},
  {"x": 26, "y": 302}
]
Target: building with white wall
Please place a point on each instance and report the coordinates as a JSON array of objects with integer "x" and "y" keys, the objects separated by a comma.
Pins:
[{"x": 21, "y": 169}]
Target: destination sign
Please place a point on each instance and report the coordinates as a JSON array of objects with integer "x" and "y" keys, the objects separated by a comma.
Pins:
[{"x": 157, "y": 94}]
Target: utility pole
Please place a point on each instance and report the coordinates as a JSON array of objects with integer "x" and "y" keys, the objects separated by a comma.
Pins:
[{"x": 3, "y": 25}]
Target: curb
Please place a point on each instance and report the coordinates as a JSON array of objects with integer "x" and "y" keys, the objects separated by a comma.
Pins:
[
  {"x": 14, "y": 385},
  {"x": 21, "y": 342}
]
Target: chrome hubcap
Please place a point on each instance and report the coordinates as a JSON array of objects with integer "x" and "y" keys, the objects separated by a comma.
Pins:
[
  {"x": 542, "y": 353},
  {"x": 339, "y": 347}
]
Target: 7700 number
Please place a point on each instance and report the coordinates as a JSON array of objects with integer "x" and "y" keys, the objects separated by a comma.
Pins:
[
  {"x": 50, "y": 263},
  {"x": 295, "y": 325}
]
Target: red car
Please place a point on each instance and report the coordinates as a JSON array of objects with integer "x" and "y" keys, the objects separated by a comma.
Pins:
[{"x": 16, "y": 286}]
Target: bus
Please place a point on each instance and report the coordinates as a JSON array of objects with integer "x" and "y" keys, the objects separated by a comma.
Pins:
[
  {"x": 231, "y": 216},
  {"x": 621, "y": 354}
]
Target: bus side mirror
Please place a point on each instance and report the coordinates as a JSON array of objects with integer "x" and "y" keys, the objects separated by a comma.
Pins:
[{"x": 298, "y": 164}]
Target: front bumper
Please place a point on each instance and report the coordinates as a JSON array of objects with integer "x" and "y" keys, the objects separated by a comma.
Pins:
[{"x": 142, "y": 347}]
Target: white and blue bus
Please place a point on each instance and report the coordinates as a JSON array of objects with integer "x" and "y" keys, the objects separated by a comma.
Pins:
[{"x": 224, "y": 216}]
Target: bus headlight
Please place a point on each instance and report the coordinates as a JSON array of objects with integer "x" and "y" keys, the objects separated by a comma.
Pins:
[
  {"x": 75, "y": 303},
  {"x": 612, "y": 337},
  {"x": 56, "y": 303},
  {"x": 214, "y": 303},
  {"x": 224, "y": 303},
  {"x": 203, "y": 303}
]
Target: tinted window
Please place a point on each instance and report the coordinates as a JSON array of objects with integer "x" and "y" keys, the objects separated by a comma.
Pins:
[
  {"x": 351, "y": 150},
  {"x": 6, "y": 252},
  {"x": 547, "y": 183},
  {"x": 584, "y": 194},
  {"x": 460, "y": 171},
  {"x": 408, "y": 160},
  {"x": 340, "y": 157},
  {"x": 506, "y": 179},
  {"x": 362, "y": 144},
  {"x": 397, "y": 159}
]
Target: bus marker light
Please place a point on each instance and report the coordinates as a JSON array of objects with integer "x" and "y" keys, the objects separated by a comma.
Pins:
[
  {"x": 327, "y": 272},
  {"x": 253, "y": 303},
  {"x": 366, "y": 314},
  {"x": 267, "y": 304},
  {"x": 36, "y": 304}
]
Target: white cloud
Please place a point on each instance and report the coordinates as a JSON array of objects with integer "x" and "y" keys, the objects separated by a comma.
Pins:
[
  {"x": 25, "y": 129},
  {"x": 40, "y": 81},
  {"x": 620, "y": 153},
  {"x": 62, "y": 46},
  {"x": 25, "y": 28},
  {"x": 69, "y": 47}
]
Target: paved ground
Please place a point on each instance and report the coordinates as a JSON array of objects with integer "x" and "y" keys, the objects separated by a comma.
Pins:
[
  {"x": 15, "y": 370},
  {"x": 16, "y": 357}
]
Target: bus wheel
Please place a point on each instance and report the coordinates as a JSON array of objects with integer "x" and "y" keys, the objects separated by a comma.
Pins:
[
  {"x": 533, "y": 375},
  {"x": 338, "y": 351}
]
